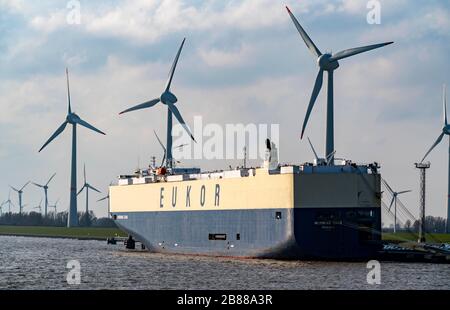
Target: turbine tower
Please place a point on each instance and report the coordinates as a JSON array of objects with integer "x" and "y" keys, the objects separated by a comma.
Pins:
[
  {"x": 169, "y": 99},
  {"x": 74, "y": 120},
  {"x": 87, "y": 186},
  {"x": 394, "y": 201},
  {"x": 20, "y": 193},
  {"x": 445, "y": 131},
  {"x": 45, "y": 187},
  {"x": 327, "y": 62}
]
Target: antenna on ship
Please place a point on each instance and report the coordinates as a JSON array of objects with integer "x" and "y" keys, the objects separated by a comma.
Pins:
[
  {"x": 169, "y": 99},
  {"x": 327, "y": 62}
]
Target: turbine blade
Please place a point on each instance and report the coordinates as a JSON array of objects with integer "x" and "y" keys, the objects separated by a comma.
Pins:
[
  {"x": 160, "y": 143},
  {"x": 69, "y": 110},
  {"x": 388, "y": 186},
  {"x": 329, "y": 156},
  {"x": 50, "y": 178},
  {"x": 15, "y": 189},
  {"x": 163, "y": 159},
  {"x": 104, "y": 198},
  {"x": 314, "y": 151},
  {"x": 89, "y": 126},
  {"x": 392, "y": 202},
  {"x": 444, "y": 103},
  {"x": 84, "y": 172},
  {"x": 309, "y": 43},
  {"x": 79, "y": 192},
  {"x": 403, "y": 192},
  {"x": 57, "y": 133},
  {"x": 315, "y": 93},
  {"x": 174, "y": 66},
  {"x": 438, "y": 140},
  {"x": 93, "y": 188},
  {"x": 38, "y": 185},
  {"x": 25, "y": 185},
  {"x": 180, "y": 119},
  {"x": 357, "y": 50},
  {"x": 144, "y": 105}
]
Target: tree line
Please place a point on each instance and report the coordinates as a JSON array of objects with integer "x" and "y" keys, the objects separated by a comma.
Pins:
[
  {"x": 57, "y": 220},
  {"x": 433, "y": 224}
]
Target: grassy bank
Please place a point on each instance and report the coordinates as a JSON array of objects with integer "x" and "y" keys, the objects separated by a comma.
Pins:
[
  {"x": 403, "y": 236},
  {"x": 64, "y": 232}
]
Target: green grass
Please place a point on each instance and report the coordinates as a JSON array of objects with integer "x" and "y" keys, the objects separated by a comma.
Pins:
[
  {"x": 77, "y": 232},
  {"x": 404, "y": 236}
]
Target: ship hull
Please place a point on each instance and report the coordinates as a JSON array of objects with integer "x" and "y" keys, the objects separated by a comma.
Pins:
[{"x": 272, "y": 233}]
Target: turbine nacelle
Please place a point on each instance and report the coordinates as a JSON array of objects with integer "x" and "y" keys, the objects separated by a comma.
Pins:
[
  {"x": 326, "y": 63},
  {"x": 168, "y": 97},
  {"x": 72, "y": 118},
  {"x": 446, "y": 130}
]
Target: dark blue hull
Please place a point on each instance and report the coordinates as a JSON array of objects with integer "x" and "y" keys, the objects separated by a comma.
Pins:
[{"x": 295, "y": 233}]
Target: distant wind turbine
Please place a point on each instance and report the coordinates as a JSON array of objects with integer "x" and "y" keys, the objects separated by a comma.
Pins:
[
  {"x": 165, "y": 150},
  {"x": 54, "y": 206},
  {"x": 394, "y": 201},
  {"x": 20, "y": 193},
  {"x": 169, "y": 99},
  {"x": 45, "y": 187},
  {"x": 320, "y": 161},
  {"x": 107, "y": 198},
  {"x": 87, "y": 187},
  {"x": 39, "y": 207},
  {"x": 9, "y": 202},
  {"x": 327, "y": 62},
  {"x": 445, "y": 132},
  {"x": 74, "y": 120}
]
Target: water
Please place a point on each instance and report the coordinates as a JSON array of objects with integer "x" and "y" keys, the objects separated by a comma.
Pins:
[{"x": 40, "y": 263}]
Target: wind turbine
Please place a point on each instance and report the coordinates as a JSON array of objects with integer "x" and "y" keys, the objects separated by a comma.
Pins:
[
  {"x": 327, "y": 62},
  {"x": 45, "y": 187},
  {"x": 74, "y": 120},
  {"x": 445, "y": 131},
  {"x": 394, "y": 201},
  {"x": 106, "y": 197},
  {"x": 320, "y": 161},
  {"x": 169, "y": 99},
  {"x": 87, "y": 186},
  {"x": 9, "y": 202},
  {"x": 54, "y": 206},
  {"x": 164, "y": 148},
  {"x": 39, "y": 207},
  {"x": 20, "y": 193}
]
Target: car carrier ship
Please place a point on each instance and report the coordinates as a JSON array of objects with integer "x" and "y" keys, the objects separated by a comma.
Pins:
[
  {"x": 329, "y": 209},
  {"x": 308, "y": 211}
]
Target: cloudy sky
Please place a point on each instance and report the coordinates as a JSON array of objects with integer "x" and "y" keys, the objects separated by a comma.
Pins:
[{"x": 243, "y": 62}]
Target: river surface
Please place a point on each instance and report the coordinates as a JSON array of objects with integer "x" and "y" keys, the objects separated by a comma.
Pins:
[{"x": 41, "y": 263}]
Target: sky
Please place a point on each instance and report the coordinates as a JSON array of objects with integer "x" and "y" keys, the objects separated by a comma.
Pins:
[{"x": 243, "y": 62}]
